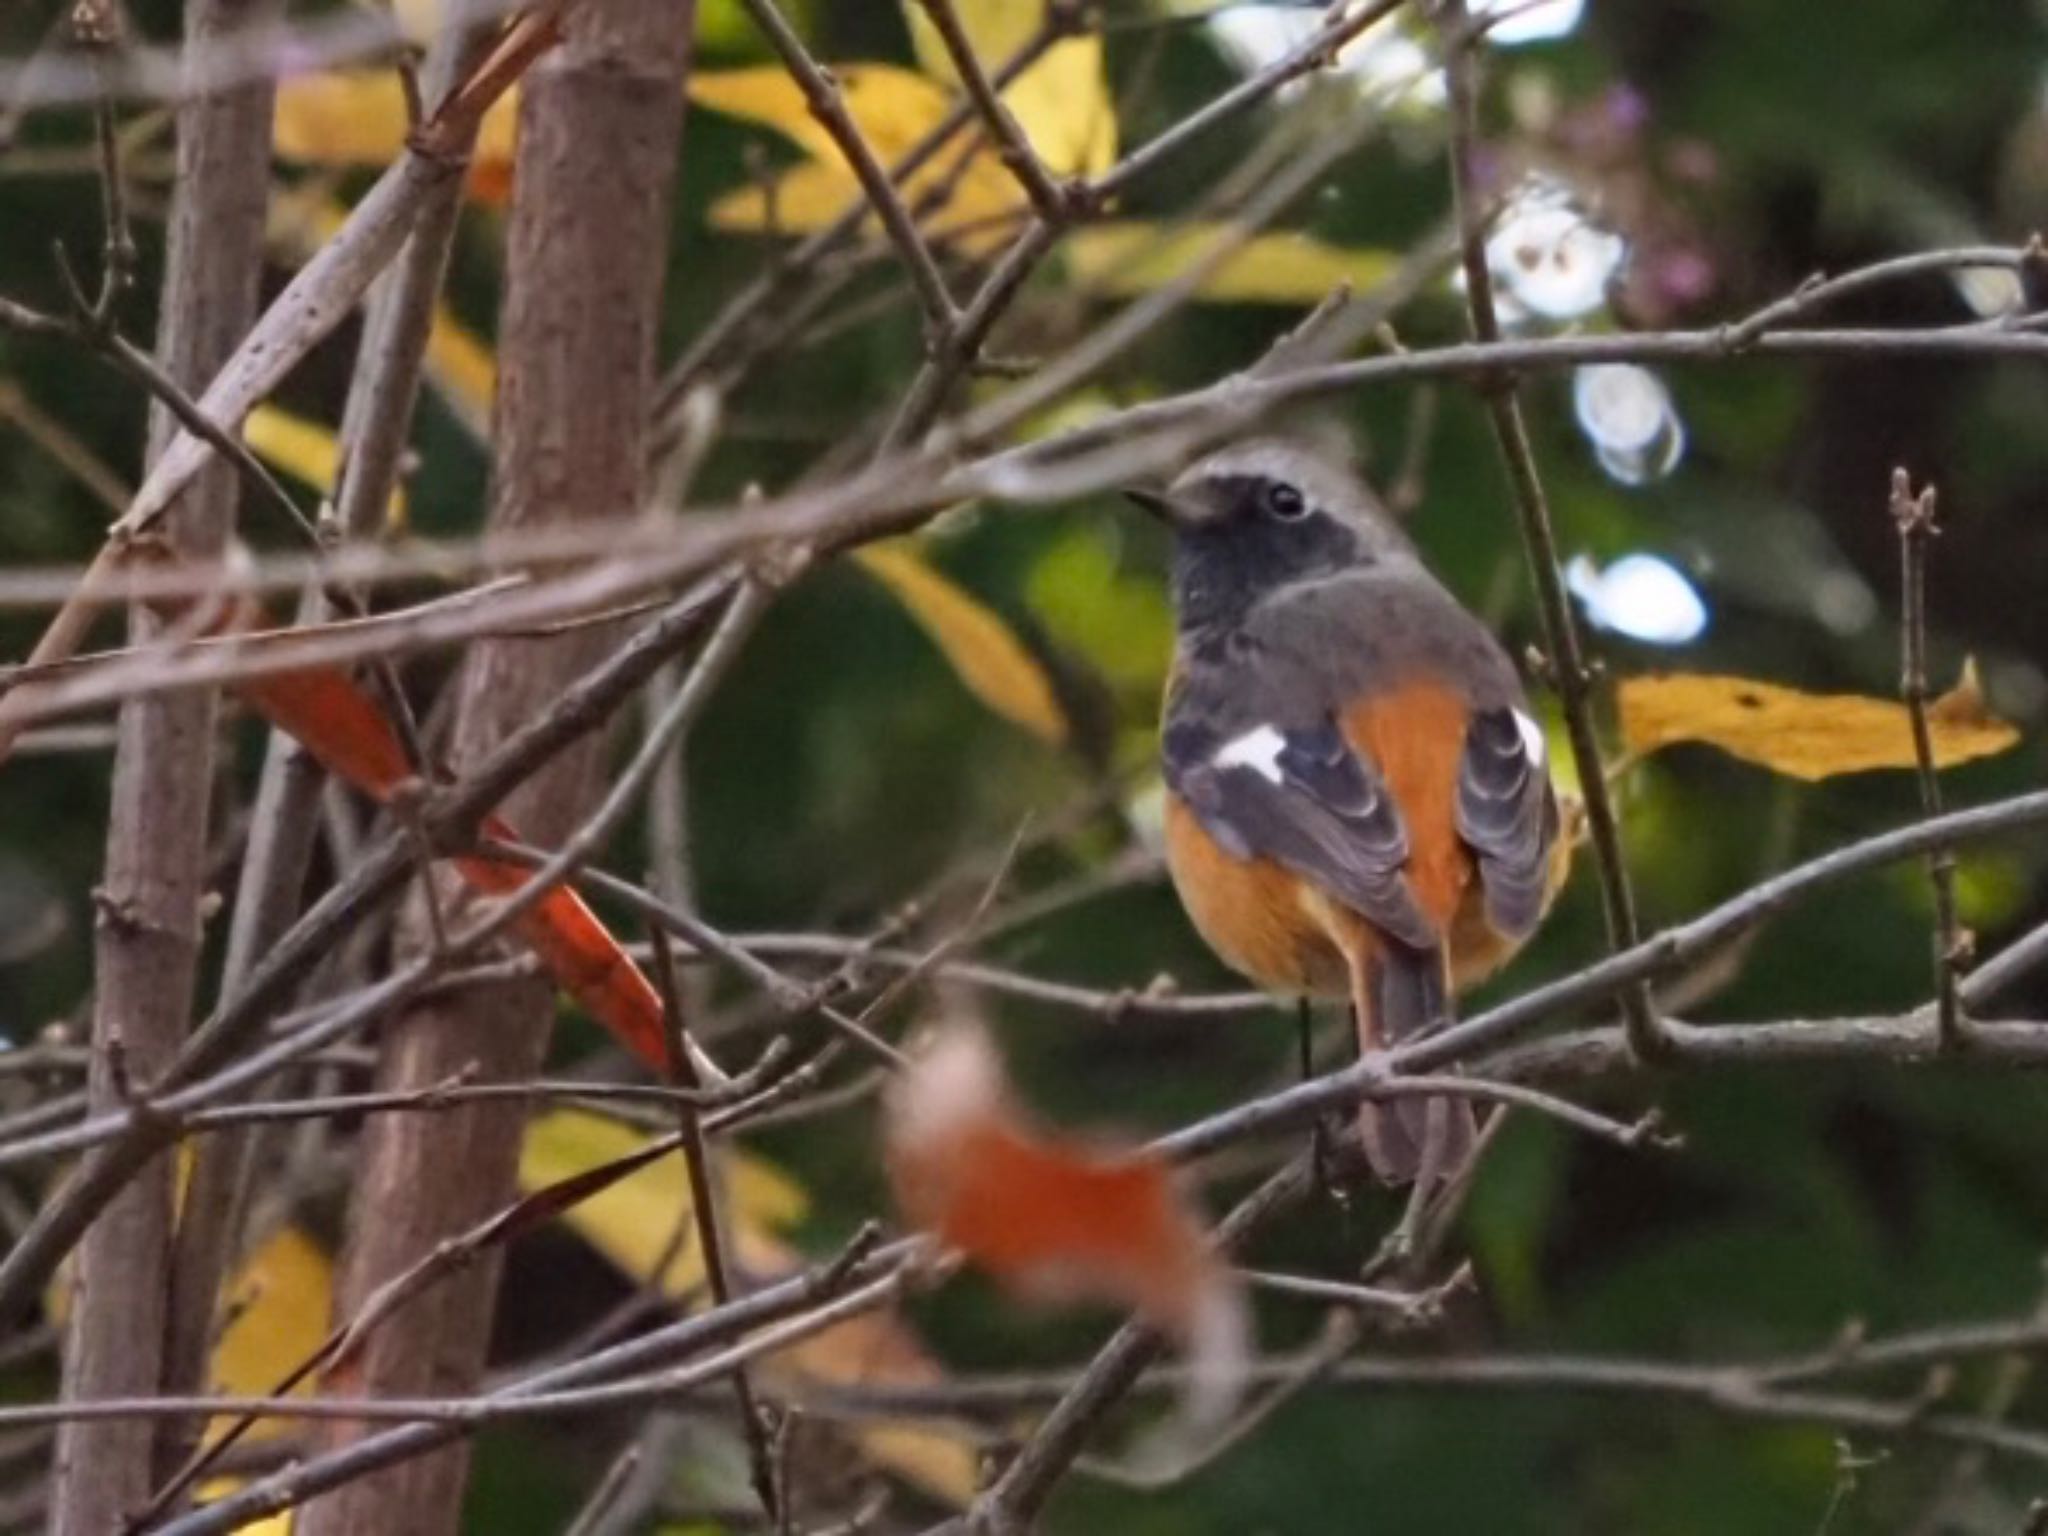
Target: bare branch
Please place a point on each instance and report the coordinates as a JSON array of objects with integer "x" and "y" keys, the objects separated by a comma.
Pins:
[{"x": 828, "y": 106}]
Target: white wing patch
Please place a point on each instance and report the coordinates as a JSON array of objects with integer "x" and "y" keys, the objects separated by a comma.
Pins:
[
  {"x": 1532, "y": 738},
  {"x": 1258, "y": 749}
]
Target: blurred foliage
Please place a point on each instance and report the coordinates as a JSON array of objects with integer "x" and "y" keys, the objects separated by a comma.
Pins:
[{"x": 1737, "y": 147}]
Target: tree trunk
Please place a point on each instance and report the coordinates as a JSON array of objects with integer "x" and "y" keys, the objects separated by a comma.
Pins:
[
  {"x": 148, "y": 930},
  {"x": 599, "y": 130}
]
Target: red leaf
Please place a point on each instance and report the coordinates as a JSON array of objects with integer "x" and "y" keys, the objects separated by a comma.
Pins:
[
  {"x": 1055, "y": 1220},
  {"x": 580, "y": 953}
]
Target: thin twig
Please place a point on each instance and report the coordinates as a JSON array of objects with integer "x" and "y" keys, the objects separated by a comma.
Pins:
[
  {"x": 1154, "y": 1473},
  {"x": 1566, "y": 657},
  {"x": 1407, "y": 1308},
  {"x": 597, "y": 1508},
  {"x": 1047, "y": 196},
  {"x": 790, "y": 269},
  {"x": 706, "y": 1213},
  {"x": 1739, "y": 1389},
  {"x": 1913, "y": 516},
  {"x": 794, "y": 999}
]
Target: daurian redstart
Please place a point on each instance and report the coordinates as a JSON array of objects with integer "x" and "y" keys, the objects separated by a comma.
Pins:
[{"x": 1358, "y": 800}]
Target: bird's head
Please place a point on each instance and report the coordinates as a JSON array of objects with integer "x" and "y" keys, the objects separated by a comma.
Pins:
[{"x": 1262, "y": 515}]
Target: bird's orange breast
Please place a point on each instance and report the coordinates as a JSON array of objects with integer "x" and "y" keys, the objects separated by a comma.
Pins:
[{"x": 1250, "y": 911}]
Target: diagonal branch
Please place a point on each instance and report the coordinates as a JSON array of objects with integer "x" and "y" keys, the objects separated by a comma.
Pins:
[
  {"x": 828, "y": 106},
  {"x": 1047, "y": 196}
]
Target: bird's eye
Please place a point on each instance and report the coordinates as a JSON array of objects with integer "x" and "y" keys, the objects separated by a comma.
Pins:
[{"x": 1283, "y": 501}]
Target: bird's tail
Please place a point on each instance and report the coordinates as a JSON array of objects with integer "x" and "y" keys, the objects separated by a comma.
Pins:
[{"x": 1399, "y": 992}]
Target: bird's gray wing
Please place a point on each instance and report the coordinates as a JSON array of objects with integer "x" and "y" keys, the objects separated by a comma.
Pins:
[
  {"x": 1295, "y": 793},
  {"x": 1507, "y": 815}
]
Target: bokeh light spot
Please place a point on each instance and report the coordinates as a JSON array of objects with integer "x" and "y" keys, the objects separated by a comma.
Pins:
[{"x": 1642, "y": 596}]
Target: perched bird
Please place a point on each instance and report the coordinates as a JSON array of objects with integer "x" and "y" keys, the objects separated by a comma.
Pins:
[{"x": 1358, "y": 801}]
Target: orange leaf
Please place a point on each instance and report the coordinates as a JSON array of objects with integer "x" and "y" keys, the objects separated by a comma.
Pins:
[
  {"x": 348, "y": 732},
  {"x": 1055, "y": 1220},
  {"x": 335, "y": 720}
]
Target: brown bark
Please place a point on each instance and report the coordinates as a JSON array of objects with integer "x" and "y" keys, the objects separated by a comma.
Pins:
[
  {"x": 599, "y": 129},
  {"x": 148, "y": 933},
  {"x": 376, "y": 428}
]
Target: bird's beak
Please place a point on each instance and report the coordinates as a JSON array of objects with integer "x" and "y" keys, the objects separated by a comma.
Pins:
[{"x": 1162, "y": 506}]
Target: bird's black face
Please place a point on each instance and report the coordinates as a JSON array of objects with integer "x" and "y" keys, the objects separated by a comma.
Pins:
[{"x": 1240, "y": 536}]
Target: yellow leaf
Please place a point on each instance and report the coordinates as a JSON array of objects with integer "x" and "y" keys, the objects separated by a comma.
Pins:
[
  {"x": 268, "y": 1525},
  {"x": 998, "y": 29},
  {"x": 1130, "y": 257},
  {"x": 464, "y": 369},
  {"x": 459, "y": 364},
  {"x": 876, "y": 1350},
  {"x": 978, "y": 210},
  {"x": 983, "y": 651},
  {"x": 358, "y": 118},
  {"x": 1805, "y": 735},
  {"x": 302, "y": 448},
  {"x": 803, "y": 198},
  {"x": 278, "y": 1309},
  {"x": 1063, "y": 106},
  {"x": 340, "y": 119},
  {"x": 278, "y": 1306},
  {"x": 305, "y": 450},
  {"x": 634, "y": 1222},
  {"x": 1061, "y": 102},
  {"x": 893, "y": 108}
]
